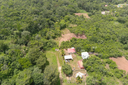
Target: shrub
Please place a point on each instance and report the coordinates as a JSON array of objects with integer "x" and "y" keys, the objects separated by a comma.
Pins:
[
  {"x": 67, "y": 69},
  {"x": 112, "y": 65},
  {"x": 78, "y": 80},
  {"x": 109, "y": 61},
  {"x": 126, "y": 46},
  {"x": 122, "y": 19},
  {"x": 126, "y": 57}
]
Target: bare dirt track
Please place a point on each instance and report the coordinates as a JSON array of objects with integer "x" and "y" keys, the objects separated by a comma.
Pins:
[
  {"x": 121, "y": 62},
  {"x": 68, "y": 35},
  {"x": 84, "y": 14}
]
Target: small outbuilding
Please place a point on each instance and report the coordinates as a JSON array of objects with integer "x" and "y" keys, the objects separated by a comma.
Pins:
[
  {"x": 84, "y": 55},
  {"x": 106, "y": 5},
  {"x": 80, "y": 63},
  {"x": 71, "y": 50},
  {"x": 105, "y": 12},
  {"x": 68, "y": 57},
  {"x": 79, "y": 74}
]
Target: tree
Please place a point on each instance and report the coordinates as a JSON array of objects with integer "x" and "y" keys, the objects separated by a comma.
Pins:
[
  {"x": 67, "y": 69},
  {"x": 24, "y": 77},
  {"x": 62, "y": 52},
  {"x": 25, "y": 63},
  {"x": 90, "y": 80},
  {"x": 62, "y": 24},
  {"x": 51, "y": 75},
  {"x": 25, "y": 37},
  {"x": 34, "y": 54},
  {"x": 41, "y": 62},
  {"x": 38, "y": 78},
  {"x": 122, "y": 19},
  {"x": 35, "y": 43},
  {"x": 78, "y": 80},
  {"x": 124, "y": 38},
  {"x": 6, "y": 82},
  {"x": 3, "y": 47}
]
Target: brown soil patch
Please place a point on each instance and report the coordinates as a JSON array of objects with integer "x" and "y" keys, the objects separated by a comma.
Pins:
[
  {"x": 84, "y": 14},
  {"x": 121, "y": 62},
  {"x": 68, "y": 35}
]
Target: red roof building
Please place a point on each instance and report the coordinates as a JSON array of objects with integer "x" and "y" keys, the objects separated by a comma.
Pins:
[
  {"x": 71, "y": 50},
  {"x": 80, "y": 63},
  {"x": 106, "y": 5}
]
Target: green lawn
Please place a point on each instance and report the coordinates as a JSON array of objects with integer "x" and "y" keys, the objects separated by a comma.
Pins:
[
  {"x": 78, "y": 57},
  {"x": 51, "y": 57}
]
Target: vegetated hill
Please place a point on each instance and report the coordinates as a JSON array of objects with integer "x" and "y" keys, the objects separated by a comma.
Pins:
[{"x": 28, "y": 29}]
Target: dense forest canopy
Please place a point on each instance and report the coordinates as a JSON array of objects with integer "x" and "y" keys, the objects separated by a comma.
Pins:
[{"x": 28, "y": 29}]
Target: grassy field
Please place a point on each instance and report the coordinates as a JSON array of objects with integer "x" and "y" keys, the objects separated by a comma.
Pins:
[{"x": 51, "y": 57}]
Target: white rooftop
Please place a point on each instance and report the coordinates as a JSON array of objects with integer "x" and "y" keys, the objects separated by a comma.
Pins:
[
  {"x": 104, "y": 12},
  {"x": 79, "y": 74},
  {"x": 68, "y": 57},
  {"x": 84, "y": 55}
]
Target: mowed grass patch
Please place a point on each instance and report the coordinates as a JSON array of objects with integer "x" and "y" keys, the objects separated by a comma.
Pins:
[{"x": 51, "y": 58}]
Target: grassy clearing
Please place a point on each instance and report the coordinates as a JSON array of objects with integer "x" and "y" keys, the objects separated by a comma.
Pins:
[
  {"x": 83, "y": 11},
  {"x": 61, "y": 61},
  {"x": 65, "y": 31},
  {"x": 51, "y": 57},
  {"x": 78, "y": 57}
]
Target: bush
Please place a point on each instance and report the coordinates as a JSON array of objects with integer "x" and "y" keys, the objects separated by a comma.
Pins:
[
  {"x": 78, "y": 80},
  {"x": 119, "y": 73},
  {"x": 126, "y": 57},
  {"x": 124, "y": 38},
  {"x": 109, "y": 61},
  {"x": 126, "y": 46},
  {"x": 112, "y": 65},
  {"x": 67, "y": 69},
  {"x": 122, "y": 19}
]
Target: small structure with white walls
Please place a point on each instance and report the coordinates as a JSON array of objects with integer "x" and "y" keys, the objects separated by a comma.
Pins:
[
  {"x": 84, "y": 55},
  {"x": 68, "y": 57},
  {"x": 79, "y": 74}
]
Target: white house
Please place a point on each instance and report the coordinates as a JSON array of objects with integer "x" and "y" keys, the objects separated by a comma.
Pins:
[
  {"x": 84, "y": 55},
  {"x": 105, "y": 12},
  {"x": 68, "y": 57}
]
